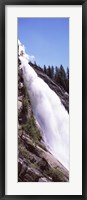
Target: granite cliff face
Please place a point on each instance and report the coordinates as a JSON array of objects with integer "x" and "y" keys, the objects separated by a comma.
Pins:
[{"x": 35, "y": 163}]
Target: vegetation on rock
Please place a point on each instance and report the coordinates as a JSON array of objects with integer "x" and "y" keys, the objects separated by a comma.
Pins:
[{"x": 31, "y": 129}]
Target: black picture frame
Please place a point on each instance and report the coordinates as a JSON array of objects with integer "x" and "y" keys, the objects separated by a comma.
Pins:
[{"x": 3, "y": 3}]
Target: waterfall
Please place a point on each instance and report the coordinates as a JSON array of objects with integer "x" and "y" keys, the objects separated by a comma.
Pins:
[{"x": 49, "y": 112}]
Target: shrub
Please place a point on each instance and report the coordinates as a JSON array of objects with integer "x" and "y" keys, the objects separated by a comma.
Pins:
[
  {"x": 31, "y": 129},
  {"x": 55, "y": 174},
  {"x": 25, "y": 106},
  {"x": 24, "y": 91}
]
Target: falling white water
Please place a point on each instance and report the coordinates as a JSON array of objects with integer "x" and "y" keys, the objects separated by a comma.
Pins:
[{"x": 49, "y": 112}]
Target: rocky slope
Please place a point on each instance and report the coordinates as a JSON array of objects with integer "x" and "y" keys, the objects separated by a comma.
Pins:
[{"x": 35, "y": 163}]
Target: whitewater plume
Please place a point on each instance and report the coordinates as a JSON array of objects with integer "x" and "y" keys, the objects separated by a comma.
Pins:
[
  {"x": 21, "y": 51},
  {"x": 52, "y": 117}
]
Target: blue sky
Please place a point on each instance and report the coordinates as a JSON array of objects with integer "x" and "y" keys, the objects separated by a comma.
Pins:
[{"x": 47, "y": 39}]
